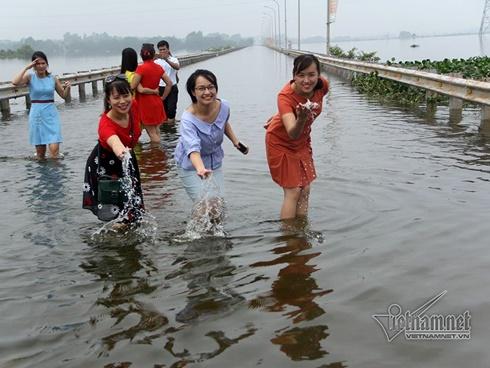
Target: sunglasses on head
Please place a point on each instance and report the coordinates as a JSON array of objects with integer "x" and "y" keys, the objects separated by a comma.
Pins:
[{"x": 112, "y": 78}]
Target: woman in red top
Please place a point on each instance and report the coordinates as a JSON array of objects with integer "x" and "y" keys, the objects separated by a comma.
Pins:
[
  {"x": 119, "y": 131},
  {"x": 148, "y": 75},
  {"x": 288, "y": 141}
]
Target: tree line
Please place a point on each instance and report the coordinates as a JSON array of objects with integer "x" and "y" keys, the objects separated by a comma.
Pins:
[{"x": 73, "y": 44}]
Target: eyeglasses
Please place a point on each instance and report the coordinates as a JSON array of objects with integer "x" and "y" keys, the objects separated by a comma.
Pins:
[
  {"x": 112, "y": 78},
  {"x": 210, "y": 88}
]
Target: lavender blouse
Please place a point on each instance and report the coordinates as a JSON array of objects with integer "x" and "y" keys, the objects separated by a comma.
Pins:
[{"x": 199, "y": 136}]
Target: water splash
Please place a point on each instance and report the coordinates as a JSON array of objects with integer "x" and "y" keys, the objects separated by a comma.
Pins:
[
  {"x": 208, "y": 213},
  {"x": 133, "y": 224}
]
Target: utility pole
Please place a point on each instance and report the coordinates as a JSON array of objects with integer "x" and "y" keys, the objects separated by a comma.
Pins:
[
  {"x": 485, "y": 20},
  {"x": 276, "y": 38},
  {"x": 278, "y": 22},
  {"x": 299, "y": 25},
  {"x": 285, "y": 27},
  {"x": 327, "y": 51}
]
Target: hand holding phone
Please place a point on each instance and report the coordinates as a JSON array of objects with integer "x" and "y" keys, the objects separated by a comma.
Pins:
[{"x": 242, "y": 148}]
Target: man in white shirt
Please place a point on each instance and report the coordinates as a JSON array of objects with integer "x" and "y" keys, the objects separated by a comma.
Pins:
[{"x": 171, "y": 65}]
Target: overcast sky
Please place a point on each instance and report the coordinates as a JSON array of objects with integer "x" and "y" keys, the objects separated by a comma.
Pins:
[{"x": 52, "y": 18}]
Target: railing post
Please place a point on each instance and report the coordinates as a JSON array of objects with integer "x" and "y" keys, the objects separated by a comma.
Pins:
[
  {"x": 95, "y": 92},
  {"x": 28, "y": 102},
  {"x": 485, "y": 119},
  {"x": 455, "y": 104},
  {"x": 430, "y": 99},
  {"x": 81, "y": 92},
  {"x": 5, "y": 107}
]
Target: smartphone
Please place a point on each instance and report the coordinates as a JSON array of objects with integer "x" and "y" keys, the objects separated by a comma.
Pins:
[{"x": 242, "y": 148}]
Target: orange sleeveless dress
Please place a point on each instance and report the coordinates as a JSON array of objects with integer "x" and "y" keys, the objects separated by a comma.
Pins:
[{"x": 291, "y": 160}]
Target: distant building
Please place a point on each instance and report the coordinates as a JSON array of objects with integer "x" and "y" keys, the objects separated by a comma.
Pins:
[{"x": 406, "y": 35}]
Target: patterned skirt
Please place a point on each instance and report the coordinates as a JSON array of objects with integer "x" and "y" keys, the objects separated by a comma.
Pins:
[{"x": 104, "y": 162}]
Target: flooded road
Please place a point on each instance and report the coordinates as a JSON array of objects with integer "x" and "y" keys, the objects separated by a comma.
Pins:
[{"x": 399, "y": 213}]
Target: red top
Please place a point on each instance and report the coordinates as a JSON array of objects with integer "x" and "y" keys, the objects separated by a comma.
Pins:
[
  {"x": 150, "y": 73},
  {"x": 287, "y": 100},
  {"x": 129, "y": 136},
  {"x": 291, "y": 160},
  {"x": 152, "y": 111}
]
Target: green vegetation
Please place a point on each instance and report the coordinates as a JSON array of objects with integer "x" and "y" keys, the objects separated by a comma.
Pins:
[
  {"x": 353, "y": 54},
  {"x": 473, "y": 68},
  {"x": 23, "y": 52},
  {"x": 390, "y": 91},
  {"x": 477, "y": 68},
  {"x": 104, "y": 44}
]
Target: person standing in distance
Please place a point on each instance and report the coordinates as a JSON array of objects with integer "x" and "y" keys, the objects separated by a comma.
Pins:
[
  {"x": 171, "y": 65},
  {"x": 151, "y": 106},
  {"x": 44, "y": 120}
]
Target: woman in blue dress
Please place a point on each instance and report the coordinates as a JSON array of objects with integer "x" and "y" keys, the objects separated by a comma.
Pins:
[{"x": 44, "y": 120}]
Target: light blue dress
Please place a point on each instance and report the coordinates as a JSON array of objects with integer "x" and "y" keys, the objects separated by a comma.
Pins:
[{"x": 44, "y": 120}]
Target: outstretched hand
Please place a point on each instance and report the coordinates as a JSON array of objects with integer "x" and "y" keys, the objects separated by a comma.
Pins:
[
  {"x": 302, "y": 112},
  {"x": 204, "y": 173}
]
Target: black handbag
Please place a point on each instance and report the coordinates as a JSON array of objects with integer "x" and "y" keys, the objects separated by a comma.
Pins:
[{"x": 110, "y": 191}]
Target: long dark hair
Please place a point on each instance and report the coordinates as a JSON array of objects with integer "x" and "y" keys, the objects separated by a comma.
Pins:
[
  {"x": 40, "y": 55},
  {"x": 304, "y": 61},
  {"x": 129, "y": 61},
  {"x": 191, "y": 81},
  {"x": 121, "y": 86}
]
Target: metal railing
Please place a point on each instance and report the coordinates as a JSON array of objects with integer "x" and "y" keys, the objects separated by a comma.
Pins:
[
  {"x": 458, "y": 89},
  {"x": 9, "y": 91}
]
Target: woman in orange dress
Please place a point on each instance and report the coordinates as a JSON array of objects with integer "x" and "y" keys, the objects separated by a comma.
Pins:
[
  {"x": 148, "y": 75},
  {"x": 288, "y": 141}
]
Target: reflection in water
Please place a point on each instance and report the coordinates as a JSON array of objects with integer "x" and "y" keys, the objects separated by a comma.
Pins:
[
  {"x": 46, "y": 197},
  {"x": 208, "y": 272},
  {"x": 484, "y": 39},
  {"x": 294, "y": 287},
  {"x": 127, "y": 273},
  {"x": 152, "y": 161}
]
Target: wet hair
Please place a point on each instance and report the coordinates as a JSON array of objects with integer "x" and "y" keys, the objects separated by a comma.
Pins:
[
  {"x": 163, "y": 43},
  {"x": 304, "y": 61},
  {"x": 129, "y": 60},
  {"x": 147, "y": 51},
  {"x": 40, "y": 55},
  {"x": 120, "y": 86},
  {"x": 191, "y": 81}
]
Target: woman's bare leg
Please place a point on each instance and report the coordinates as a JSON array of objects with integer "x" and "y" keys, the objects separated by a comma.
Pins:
[
  {"x": 153, "y": 132},
  {"x": 54, "y": 150},
  {"x": 41, "y": 151},
  {"x": 302, "y": 207},
  {"x": 290, "y": 202}
]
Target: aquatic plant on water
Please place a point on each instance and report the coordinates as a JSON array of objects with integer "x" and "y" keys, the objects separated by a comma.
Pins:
[{"x": 477, "y": 68}]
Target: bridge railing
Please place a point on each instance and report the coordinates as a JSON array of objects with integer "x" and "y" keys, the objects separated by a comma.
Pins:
[
  {"x": 80, "y": 79},
  {"x": 458, "y": 89}
]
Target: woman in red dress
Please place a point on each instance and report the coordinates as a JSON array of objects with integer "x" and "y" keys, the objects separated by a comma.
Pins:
[
  {"x": 148, "y": 75},
  {"x": 288, "y": 141}
]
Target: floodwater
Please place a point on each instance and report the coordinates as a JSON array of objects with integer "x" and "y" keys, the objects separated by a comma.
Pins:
[{"x": 399, "y": 213}]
